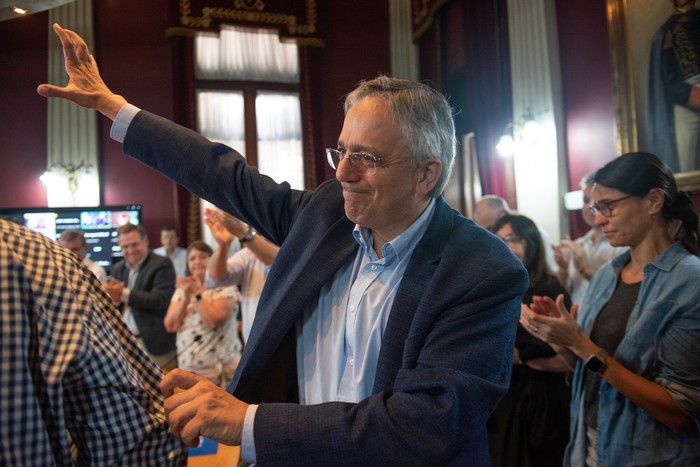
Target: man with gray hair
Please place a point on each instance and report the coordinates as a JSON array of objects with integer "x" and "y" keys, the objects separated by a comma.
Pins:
[
  {"x": 74, "y": 240},
  {"x": 384, "y": 334}
]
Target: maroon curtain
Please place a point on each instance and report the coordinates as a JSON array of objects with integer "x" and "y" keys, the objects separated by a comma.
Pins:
[{"x": 464, "y": 52}]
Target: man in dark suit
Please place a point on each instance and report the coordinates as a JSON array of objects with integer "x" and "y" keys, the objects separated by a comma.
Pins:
[
  {"x": 385, "y": 332},
  {"x": 142, "y": 285}
]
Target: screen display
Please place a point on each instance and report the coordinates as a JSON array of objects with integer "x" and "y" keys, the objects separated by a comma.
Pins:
[{"x": 99, "y": 225}]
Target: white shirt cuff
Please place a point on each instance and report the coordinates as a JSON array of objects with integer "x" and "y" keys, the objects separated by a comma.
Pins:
[
  {"x": 121, "y": 123},
  {"x": 247, "y": 438}
]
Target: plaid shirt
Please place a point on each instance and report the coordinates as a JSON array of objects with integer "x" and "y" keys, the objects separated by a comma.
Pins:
[{"x": 69, "y": 366}]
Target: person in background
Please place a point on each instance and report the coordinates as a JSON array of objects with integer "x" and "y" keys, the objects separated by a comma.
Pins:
[
  {"x": 74, "y": 240},
  {"x": 77, "y": 389},
  {"x": 205, "y": 321},
  {"x": 531, "y": 423},
  {"x": 635, "y": 345},
  {"x": 385, "y": 331},
  {"x": 490, "y": 208},
  {"x": 142, "y": 285},
  {"x": 171, "y": 249},
  {"x": 247, "y": 268},
  {"x": 579, "y": 259}
]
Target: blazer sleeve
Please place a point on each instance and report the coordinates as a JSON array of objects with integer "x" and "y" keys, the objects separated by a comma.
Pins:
[{"x": 215, "y": 172}]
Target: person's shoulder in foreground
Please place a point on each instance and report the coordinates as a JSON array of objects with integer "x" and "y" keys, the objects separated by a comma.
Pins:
[{"x": 74, "y": 365}]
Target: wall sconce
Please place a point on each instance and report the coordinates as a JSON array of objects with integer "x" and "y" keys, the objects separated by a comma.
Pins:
[{"x": 527, "y": 130}]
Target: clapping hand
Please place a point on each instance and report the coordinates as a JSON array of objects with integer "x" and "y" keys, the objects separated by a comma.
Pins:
[
  {"x": 550, "y": 321},
  {"x": 114, "y": 288},
  {"x": 224, "y": 227},
  {"x": 188, "y": 284}
]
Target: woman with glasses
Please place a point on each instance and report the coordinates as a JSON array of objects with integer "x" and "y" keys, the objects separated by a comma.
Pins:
[
  {"x": 530, "y": 425},
  {"x": 636, "y": 345}
]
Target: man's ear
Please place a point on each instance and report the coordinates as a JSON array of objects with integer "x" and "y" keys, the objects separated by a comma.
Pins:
[{"x": 431, "y": 171}]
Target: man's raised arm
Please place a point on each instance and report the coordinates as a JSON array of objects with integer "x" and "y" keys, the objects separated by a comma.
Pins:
[{"x": 85, "y": 86}]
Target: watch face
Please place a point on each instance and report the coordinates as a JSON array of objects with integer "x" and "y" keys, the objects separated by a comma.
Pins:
[{"x": 594, "y": 363}]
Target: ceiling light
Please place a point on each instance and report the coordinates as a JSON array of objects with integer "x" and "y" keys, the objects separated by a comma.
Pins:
[{"x": 19, "y": 10}]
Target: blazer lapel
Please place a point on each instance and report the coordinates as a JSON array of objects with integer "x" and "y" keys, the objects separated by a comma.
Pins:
[
  {"x": 413, "y": 289},
  {"x": 298, "y": 282}
]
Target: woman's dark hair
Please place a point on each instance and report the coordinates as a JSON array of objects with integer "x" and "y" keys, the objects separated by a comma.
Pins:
[
  {"x": 535, "y": 260},
  {"x": 197, "y": 245},
  {"x": 637, "y": 173}
]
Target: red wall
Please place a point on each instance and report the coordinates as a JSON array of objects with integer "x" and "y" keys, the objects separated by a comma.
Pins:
[
  {"x": 588, "y": 91},
  {"x": 136, "y": 61},
  {"x": 356, "y": 36},
  {"x": 23, "y": 61}
]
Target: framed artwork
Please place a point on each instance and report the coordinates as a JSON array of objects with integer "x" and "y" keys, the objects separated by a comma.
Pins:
[{"x": 645, "y": 59}]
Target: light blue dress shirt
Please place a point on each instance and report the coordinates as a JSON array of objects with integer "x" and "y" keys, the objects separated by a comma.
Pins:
[
  {"x": 662, "y": 344},
  {"x": 349, "y": 319}
]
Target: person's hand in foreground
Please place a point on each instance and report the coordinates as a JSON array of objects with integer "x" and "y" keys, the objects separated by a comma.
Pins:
[
  {"x": 194, "y": 406},
  {"x": 85, "y": 86}
]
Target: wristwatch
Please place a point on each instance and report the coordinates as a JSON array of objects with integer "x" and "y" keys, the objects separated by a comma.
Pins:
[
  {"x": 596, "y": 362},
  {"x": 248, "y": 236}
]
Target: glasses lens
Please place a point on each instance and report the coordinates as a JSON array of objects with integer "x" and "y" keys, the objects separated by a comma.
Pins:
[
  {"x": 362, "y": 163},
  {"x": 333, "y": 156},
  {"x": 359, "y": 163},
  {"x": 511, "y": 239}
]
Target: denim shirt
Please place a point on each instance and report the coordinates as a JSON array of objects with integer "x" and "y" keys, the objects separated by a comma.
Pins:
[{"x": 662, "y": 344}]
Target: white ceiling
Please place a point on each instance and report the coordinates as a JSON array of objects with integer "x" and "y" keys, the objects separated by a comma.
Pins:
[{"x": 34, "y": 6}]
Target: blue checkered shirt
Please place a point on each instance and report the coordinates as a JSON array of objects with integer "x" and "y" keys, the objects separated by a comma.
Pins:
[{"x": 69, "y": 367}]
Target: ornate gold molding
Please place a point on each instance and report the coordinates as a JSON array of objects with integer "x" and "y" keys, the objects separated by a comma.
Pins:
[
  {"x": 250, "y": 12},
  {"x": 625, "y": 106}
]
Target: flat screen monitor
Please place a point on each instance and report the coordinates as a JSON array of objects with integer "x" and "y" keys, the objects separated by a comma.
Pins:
[{"x": 99, "y": 224}]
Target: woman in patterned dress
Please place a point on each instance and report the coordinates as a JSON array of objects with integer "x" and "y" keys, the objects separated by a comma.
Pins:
[{"x": 205, "y": 321}]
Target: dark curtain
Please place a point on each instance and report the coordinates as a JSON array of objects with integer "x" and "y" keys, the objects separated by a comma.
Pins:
[
  {"x": 464, "y": 53},
  {"x": 184, "y": 114}
]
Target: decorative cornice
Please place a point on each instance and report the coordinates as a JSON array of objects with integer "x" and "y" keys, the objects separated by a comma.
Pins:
[{"x": 249, "y": 12}]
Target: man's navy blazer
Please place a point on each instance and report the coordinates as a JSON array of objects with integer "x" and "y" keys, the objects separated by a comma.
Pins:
[
  {"x": 446, "y": 352},
  {"x": 149, "y": 300}
]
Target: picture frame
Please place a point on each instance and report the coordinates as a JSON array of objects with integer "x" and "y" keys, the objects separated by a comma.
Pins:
[{"x": 631, "y": 27}]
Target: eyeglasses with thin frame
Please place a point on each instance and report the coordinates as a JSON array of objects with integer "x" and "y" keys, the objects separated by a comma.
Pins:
[
  {"x": 360, "y": 162},
  {"x": 512, "y": 239},
  {"x": 606, "y": 207}
]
